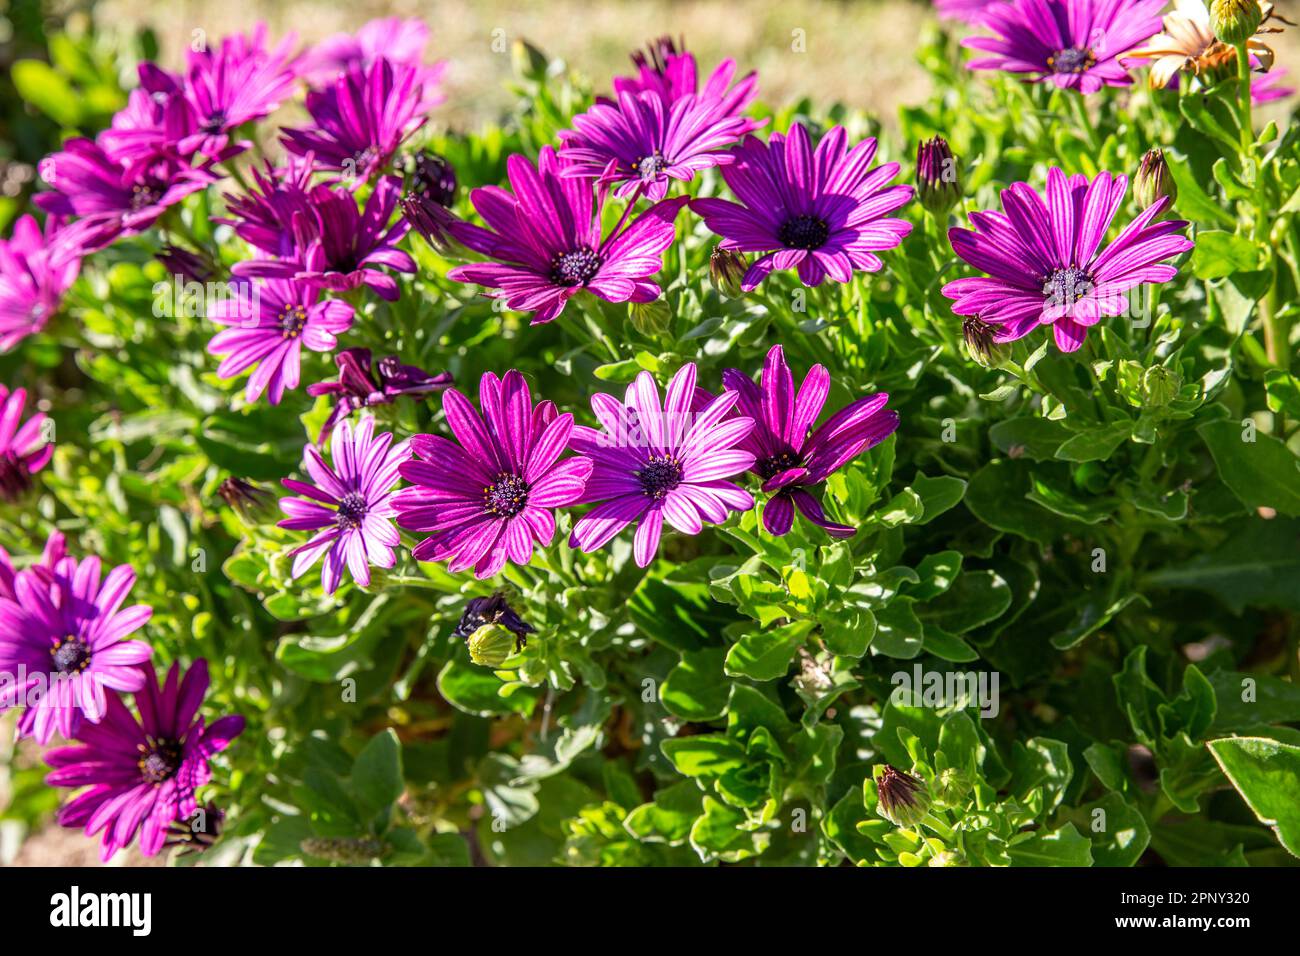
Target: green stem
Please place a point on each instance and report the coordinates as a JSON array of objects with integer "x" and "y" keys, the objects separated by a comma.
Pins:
[{"x": 1243, "y": 99}]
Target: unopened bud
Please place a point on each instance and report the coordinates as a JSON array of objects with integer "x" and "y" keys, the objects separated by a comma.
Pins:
[
  {"x": 490, "y": 645},
  {"x": 938, "y": 176},
  {"x": 529, "y": 63},
  {"x": 1154, "y": 180},
  {"x": 254, "y": 505},
  {"x": 1160, "y": 386},
  {"x": 1235, "y": 21},
  {"x": 903, "y": 799},
  {"x": 951, "y": 787},
  {"x": 726, "y": 272},
  {"x": 651, "y": 318},
  {"x": 981, "y": 342}
]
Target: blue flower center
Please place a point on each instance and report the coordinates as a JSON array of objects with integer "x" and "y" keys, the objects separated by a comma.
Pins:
[
  {"x": 69, "y": 655},
  {"x": 804, "y": 232},
  {"x": 1067, "y": 286},
  {"x": 660, "y": 475},
  {"x": 576, "y": 267},
  {"x": 775, "y": 464},
  {"x": 292, "y": 319},
  {"x": 159, "y": 760},
  {"x": 352, "y": 508},
  {"x": 505, "y": 497},
  {"x": 144, "y": 195},
  {"x": 214, "y": 124},
  {"x": 1075, "y": 59}
]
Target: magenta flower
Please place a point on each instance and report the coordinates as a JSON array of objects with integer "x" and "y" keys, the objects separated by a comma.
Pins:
[
  {"x": 1267, "y": 87},
  {"x": 268, "y": 326},
  {"x": 62, "y": 644},
  {"x": 141, "y": 774},
  {"x": 399, "y": 41},
  {"x": 56, "y": 550},
  {"x": 487, "y": 499},
  {"x": 820, "y": 212},
  {"x": 335, "y": 245},
  {"x": 36, "y": 268},
  {"x": 787, "y": 457},
  {"x": 361, "y": 118},
  {"x": 360, "y": 387},
  {"x": 1042, "y": 261},
  {"x": 1077, "y": 44},
  {"x": 350, "y": 505},
  {"x": 24, "y": 450},
  {"x": 546, "y": 238},
  {"x": 114, "y": 199},
  {"x": 672, "y": 75},
  {"x": 237, "y": 82},
  {"x": 643, "y": 142},
  {"x": 264, "y": 217},
  {"x": 155, "y": 120},
  {"x": 661, "y": 463}
]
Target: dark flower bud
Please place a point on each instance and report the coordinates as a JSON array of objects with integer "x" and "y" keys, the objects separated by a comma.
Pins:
[
  {"x": 903, "y": 799},
  {"x": 431, "y": 220},
  {"x": 529, "y": 63},
  {"x": 493, "y": 610},
  {"x": 358, "y": 386},
  {"x": 433, "y": 178},
  {"x": 938, "y": 176},
  {"x": 981, "y": 342},
  {"x": 196, "y": 832},
  {"x": 1154, "y": 181},
  {"x": 726, "y": 271},
  {"x": 254, "y": 505},
  {"x": 1235, "y": 21},
  {"x": 190, "y": 266},
  {"x": 344, "y": 849}
]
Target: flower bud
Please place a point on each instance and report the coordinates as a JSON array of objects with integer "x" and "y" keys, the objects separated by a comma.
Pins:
[
  {"x": 1154, "y": 181},
  {"x": 726, "y": 272},
  {"x": 1235, "y": 21},
  {"x": 433, "y": 178},
  {"x": 254, "y": 505},
  {"x": 903, "y": 799},
  {"x": 190, "y": 266},
  {"x": 651, "y": 318},
  {"x": 951, "y": 787},
  {"x": 947, "y": 858},
  {"x": 1160, "y": 386},
  {"x": 529, "y": 63},
  {"x": 938, "y": 176},
  {"x": 981, "y": 342},
  {"x": 490, "y": 645},
  {"x": 431, "y": 220}
]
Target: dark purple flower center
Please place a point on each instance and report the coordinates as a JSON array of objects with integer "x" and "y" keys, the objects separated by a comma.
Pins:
[
  {"x": 576, "y": 267},
  {"x": 352, "y": 508},
  {"x": 159, "y": 760},
  {"x": 214, "y": 123},
  {"x": 15, "y": 479},
  {"x": 292, "y": 319},
  {"x": 144, "y": 195},
  {"x": 649, "y": 167},
  {"x": 775, "y": 464},
  {"x": 661, "y": 474},
  {"x": 69, "y": 655},
  {"x": 506, "y": 497},
  {"x": 1075, "y": 59},
  {"x": 804, "y": 232},
  {"x": 1067, "y": 286}
]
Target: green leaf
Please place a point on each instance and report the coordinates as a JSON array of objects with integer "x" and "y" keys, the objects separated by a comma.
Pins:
[
  {"x": 476, "y": 690},
  {"x": 1219, "y": 254},
  {"x": 1262, "y": 473},
  {"x": 1096, "y": 444},
  {"x": 975, "y": 598},
  {"x": 377, "y": 772},
  {"x": 1257, "y": 566},
  {"x": 703, "y": 755},
  {"x": 43, "y": 88},
  {"x": 695, "y": 689},
  {"x": 1119, "y": 834},
  {"x": 766, "y": 655},
  {"x": 1063, "y": 847},
  {"x": 1267, "y": 775},
  {"x": 937, "y": 495}
]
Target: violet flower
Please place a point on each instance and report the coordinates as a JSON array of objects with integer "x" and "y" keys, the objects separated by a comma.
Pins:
[
  {"x": 359, "y": 386},
  {"x": 24, "y": 448},
  {"x": 36, "y": 268},
  {"x": 400, "y": 41},
  {"x": 672, "y": 73}
]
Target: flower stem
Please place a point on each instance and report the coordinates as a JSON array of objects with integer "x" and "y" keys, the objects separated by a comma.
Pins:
[{"x": 1243, "y": 100}]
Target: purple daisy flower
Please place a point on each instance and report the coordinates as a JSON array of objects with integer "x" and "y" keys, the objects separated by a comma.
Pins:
[
  {"x": 821, "y": 212},
  {"x": 1042, "y": 261},
  {"x": 155, "y": 120},
  {"x": 970, "y": 12},
  {"x": 62, "y": 645},
  {"x": 361, "y": 119},
  {"x": 788, "y": 457},
  {"x": 400, "y": 41},
  {"x": 36, "y": 268},
  {"x": 360, "y": 387},
  {"x": 24, "y": 450},
  {"x": 335, "y": 245},
  {"x": 237, "y": 82},
  {"x": 141, "y": 774},
  {"x": 114, "y": 199},
  {"x": 351, "y": 505},
  {"x": 264, "y": 217},
  {"x": 661, "y": 463},
  {"x": 672, "y": 74},
  {"x": 269, "y": 325},
  {"x": 546, "y": 238},
  {"x": 489, "y": 498},
  {"x": 1075, "y": 43},
  {"x": 643, "y": 142}
]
